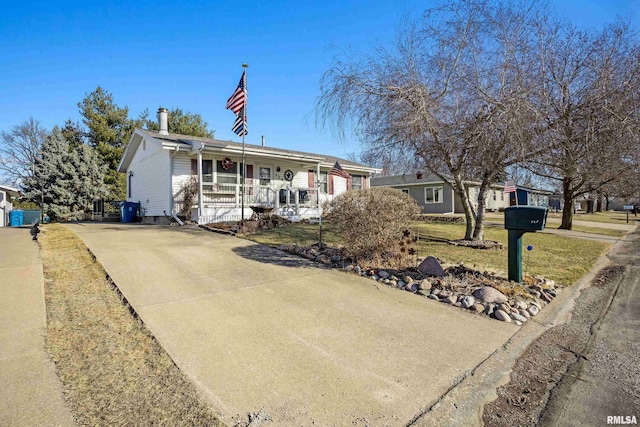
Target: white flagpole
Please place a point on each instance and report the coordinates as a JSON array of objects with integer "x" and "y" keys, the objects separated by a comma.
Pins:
[{"x": 244, "y": 124}]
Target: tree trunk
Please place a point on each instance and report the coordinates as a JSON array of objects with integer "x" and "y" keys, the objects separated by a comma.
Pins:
[
  {"x": 478, "y": 232},
  {"x": 590, "y": 205},
  {"x": 466, "y": 205},
  {"x": 567, "y": 209},
  {"x": 606, "y": 199},
  {"x": 599, "y": 202}
]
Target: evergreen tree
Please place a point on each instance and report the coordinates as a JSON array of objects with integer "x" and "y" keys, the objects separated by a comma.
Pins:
[
  {"x": 108, "y": 131},
  {"x": 65, "y": 179},
  {"x": 184, "y": 123}
]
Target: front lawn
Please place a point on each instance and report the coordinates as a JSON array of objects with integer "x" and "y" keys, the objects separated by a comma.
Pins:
[{"x": 562, "y": 259}]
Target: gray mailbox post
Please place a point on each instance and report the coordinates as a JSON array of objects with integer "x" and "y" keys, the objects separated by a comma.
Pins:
[{"x": 519, "y": 220}]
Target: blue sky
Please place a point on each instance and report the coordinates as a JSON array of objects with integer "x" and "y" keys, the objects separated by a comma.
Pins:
[{"x": 151, "y": 54}]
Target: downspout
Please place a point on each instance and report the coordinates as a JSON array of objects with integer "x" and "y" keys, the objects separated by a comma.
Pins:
[
  {"x": 171, "y": 166},
  {"x": 200, "y": 202}
]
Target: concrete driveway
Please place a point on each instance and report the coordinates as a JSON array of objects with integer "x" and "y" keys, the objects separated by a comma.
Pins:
[{"x": 256, "y": 328}]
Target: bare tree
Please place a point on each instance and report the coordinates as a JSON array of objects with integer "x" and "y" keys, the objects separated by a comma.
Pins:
[
  {"x": 589, "y": 101},
  {"x": 19, "y": 150},
  {"x": 452, "y": 93}
]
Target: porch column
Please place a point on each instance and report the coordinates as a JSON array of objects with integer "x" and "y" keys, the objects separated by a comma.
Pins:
[
  {"x": 200, "y": 202},
  {"x": 318, "y": 186}
]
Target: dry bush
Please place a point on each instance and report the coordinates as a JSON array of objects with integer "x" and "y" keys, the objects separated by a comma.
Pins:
[
  {"x": 189, "y": 196},
  {"x": 373, "y": 225}
]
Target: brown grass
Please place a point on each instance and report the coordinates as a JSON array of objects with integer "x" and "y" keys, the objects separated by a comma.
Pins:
[{"x": 112, "y": 369}]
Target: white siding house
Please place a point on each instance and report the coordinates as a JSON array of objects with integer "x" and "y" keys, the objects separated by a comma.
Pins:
[
  {"x": 292, "y": 183},
  {"x": 5, "y": 203}
]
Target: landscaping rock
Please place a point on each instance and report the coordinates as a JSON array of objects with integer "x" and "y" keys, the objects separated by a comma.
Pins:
[
  {"x": 408, "y": 279},
  {"x": 534, "y": 293},
  {"x": 478, "y": 308},
  {"x": 505, "y": 307},
  {"x": 489, "y": 294},
  {"x": 501, "y": 315},
  {"x": 489, "y": 309},
  {"x": 431, "y": 267},
  {"x": 424, "y": 285},
  {"x": 411, "y": 287},
  {"x": 433, "y": 297},
  {"x": 517, "y": 323},
  {"x": 435, "y": 291},
  {"x": 545, "y": 297},
  {"x": 401, "y": 284},
  {"x": 524, "y": 313},
  {"x": 468, "y": 301},
  {"x": 516, "y": 316},
  {"x": 451, "y": 299},
  {"x": 533, "y": 310},
  {"x": 384, "y": 274},
  {"x": 357, "y": 269}
]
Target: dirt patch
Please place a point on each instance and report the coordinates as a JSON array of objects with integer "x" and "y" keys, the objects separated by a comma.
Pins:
[
  {"x": 477, "y": 244},
  {"x": 522, "y": 401}
]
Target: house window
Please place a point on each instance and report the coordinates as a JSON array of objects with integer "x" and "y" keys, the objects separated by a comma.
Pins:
[
  {"x": 322, "y": 182},
  {"x": 227, "y": 174},
  {"x": 502, "y": 196},
  {"x": 494, "y": 195},
  {"x": 356, "y": 182},
  {"x": 207, "y": 169},
  {"x": 433, "y": 195},
  {"x": 405, "y": 190},
  {"x": 264, "y": 173}
]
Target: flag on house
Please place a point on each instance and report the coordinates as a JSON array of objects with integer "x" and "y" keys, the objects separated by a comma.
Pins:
[
  {"x": 338, "y": 171},
  {"x": 240, "y": 125},
  {"x": 239, "y": 98},
  {"x": 509, "y": 187}
]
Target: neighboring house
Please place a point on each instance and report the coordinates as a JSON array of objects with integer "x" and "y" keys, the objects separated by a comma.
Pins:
[
  {"x": 5, "y": 203},
  {"x": 437, "y": 197},
  {"x": 294, "y": 184},
  {"x": 530, "y": 197}
]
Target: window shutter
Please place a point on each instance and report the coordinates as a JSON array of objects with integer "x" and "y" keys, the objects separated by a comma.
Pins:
[
  {"x": 364, "y": 182},
  {"x": 249, "y": 175},
  {"x": 349, "y": 183},
  {"x": 330, "y": 184},
  {"x": 194, "y": 167},
  {"x": 312, "y": 181}
]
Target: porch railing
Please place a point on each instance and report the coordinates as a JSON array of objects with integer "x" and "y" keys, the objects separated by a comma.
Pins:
[{"x": 263, "y": 195}]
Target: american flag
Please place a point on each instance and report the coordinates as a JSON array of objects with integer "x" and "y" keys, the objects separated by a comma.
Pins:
[
  {"x": 338, "y": 171},
  {"x": 239, "y": 97},
  {"x": 509, "y": 187},
  {"x": 240, "y": 125}
]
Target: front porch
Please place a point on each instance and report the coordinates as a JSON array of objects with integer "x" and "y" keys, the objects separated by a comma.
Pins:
[{"x": 224, "y": 202}]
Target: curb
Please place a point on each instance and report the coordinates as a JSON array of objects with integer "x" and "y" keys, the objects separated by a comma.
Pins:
[{"x": 463, "y": 404}]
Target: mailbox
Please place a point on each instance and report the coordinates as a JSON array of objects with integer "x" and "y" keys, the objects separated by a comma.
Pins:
[
  {"x": 520, "y": 220},
  {"x": 526, "y": 218}
]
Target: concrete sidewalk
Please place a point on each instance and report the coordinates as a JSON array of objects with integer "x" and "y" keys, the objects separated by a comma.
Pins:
[
  {"x": 256, "y": 328},
  {"x": 30, "y": 391}
]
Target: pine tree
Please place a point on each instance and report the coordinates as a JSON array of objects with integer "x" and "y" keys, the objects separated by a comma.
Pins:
[{"x": 67, "y": 180}]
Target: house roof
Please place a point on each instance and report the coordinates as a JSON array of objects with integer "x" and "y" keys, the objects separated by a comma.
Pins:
[
  {"x": 193, "y": 143},
  {"x": 411, "y": 180},
  {"x": 8, "y": 189}
]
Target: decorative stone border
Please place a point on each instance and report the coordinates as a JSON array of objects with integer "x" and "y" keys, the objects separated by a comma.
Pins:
[{"x": 459, "y": 286}]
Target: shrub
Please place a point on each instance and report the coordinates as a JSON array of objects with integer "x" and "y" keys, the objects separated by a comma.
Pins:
[
  {"x": 373, "y": 224},
  {"x": 189, "y": 196}
]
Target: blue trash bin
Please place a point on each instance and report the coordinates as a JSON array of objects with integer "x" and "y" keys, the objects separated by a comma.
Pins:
[
  {"x": 128, "y": 211},
  {"x": 16, "y": 218}
]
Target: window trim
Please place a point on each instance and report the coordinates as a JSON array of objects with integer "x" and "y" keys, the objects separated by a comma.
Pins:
[{"x": 439, "y": 190}]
